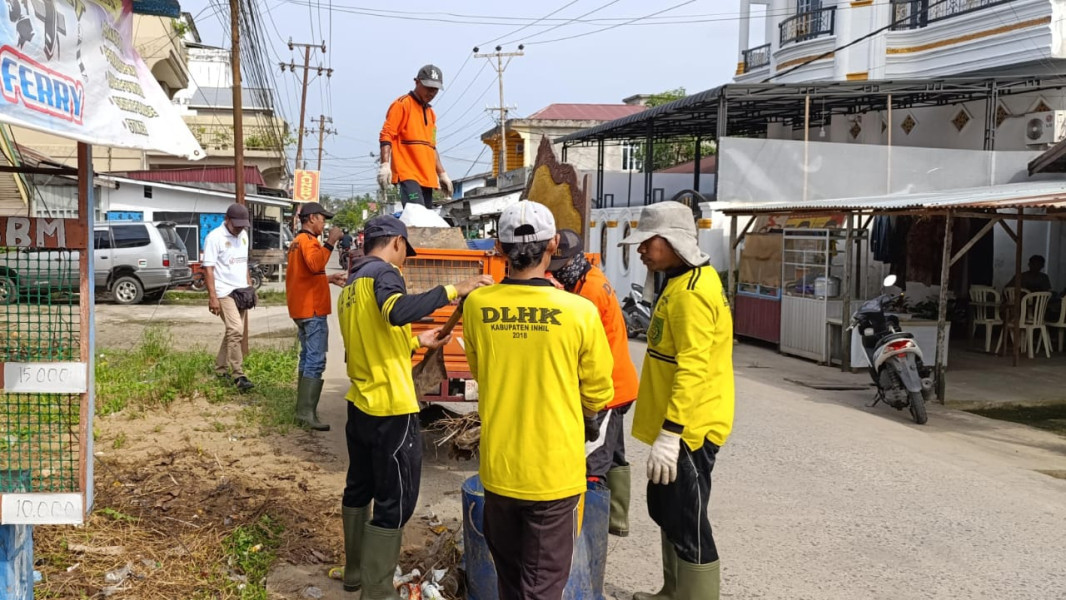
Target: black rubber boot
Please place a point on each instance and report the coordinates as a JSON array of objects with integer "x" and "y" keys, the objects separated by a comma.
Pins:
[
  {"x": 355, "y": 520},
  {"x": 307, "y": 395}
]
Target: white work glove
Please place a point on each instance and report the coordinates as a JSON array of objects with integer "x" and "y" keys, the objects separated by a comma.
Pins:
[
  {"x": 385, "y": 175},
  {"x": 445, "y": 184},
  {"x": 662, "y": 462}
]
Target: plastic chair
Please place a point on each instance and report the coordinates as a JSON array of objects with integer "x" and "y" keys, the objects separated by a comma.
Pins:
[
  {"x": 1033, "y": 307},
  {"x": 985, "y": 302},
  {"x": 1060, "y": 323}
]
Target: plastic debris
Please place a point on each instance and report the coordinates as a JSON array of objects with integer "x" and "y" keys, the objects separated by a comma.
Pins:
[
  {"x": 313, "y": 592},
  {"x": 119, "y": 574}
]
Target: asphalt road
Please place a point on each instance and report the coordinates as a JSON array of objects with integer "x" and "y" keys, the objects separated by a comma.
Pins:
[{"x": 817, "y": 496}]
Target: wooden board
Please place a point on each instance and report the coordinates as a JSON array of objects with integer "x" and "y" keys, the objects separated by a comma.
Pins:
[
  {"x": 443, "y": 238},
  {"x": 32, "y": 232}
]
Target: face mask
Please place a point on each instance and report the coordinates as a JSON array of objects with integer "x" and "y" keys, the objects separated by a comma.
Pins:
[{"x": 572, "y": 273}]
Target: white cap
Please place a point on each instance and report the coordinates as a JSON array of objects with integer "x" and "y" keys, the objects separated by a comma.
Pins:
[{"x": 526, "y": 221}]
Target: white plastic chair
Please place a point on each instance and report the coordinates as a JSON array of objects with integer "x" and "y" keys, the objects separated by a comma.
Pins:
[
  {"x": 1060, "y": 323},
  {"x": 985, "y": 302},
  {"x": 1033, "y": 307}
]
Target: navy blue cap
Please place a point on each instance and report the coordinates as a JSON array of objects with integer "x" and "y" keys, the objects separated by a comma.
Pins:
[{"x": 387, "y": 226}]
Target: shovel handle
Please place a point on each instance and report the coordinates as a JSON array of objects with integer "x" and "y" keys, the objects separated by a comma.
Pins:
[{"x": 451, "y": 323}]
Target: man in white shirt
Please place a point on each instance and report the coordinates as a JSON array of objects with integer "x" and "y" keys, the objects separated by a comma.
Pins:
[{"x": 225, "y": 270}]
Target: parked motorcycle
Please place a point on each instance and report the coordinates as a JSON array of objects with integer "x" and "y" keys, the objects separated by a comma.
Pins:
[
  {"x": 893, "y": 357},
  {"x": 636, "y": 311}
]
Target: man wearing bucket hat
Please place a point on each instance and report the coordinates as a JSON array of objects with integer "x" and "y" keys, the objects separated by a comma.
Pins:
[
  {"x": 383, "y": 434},
  {"x": 408, "y": 139},
  {"x": 605, "y": 456},
  {"x": 684, "y": 408},
  {"x": 542, "y": 363}
]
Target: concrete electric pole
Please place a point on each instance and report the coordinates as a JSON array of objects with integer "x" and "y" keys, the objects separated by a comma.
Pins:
[
  {"x": 322, "y": 131},
  {"x": 238, "y": 115},
  {"x": 307, "y": 68},
  {"x": 500, "y": 67}
]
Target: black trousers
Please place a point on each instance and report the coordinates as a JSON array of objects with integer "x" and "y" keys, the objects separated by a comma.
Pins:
[
  {"x": 532, "y": 545},
  {"x": 609, "y": 451},
  {"x": 680, "y": 508},
  {"x": 384, "y": 465},
  {"x": 412, "y": 191}
]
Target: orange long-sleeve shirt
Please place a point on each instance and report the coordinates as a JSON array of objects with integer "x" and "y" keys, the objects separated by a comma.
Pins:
[
  {"x": 596, "y": 288},
  {"x": 306, "y": 284},
  {"x": 411, "y": 129}
]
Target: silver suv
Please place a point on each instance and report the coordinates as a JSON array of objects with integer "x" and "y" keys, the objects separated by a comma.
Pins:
[{"x": 137, "y": 261}]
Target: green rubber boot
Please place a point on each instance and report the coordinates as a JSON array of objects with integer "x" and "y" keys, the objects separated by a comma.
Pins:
[
  {"x": 307, "y": 394},
  {"x": 354, "y": 524},
  {"x": 670, "y": 572},
  {"x": 381, "y": 550},
  {"x": 618, "y": 483},
  {"x": 698, "y": 582}
]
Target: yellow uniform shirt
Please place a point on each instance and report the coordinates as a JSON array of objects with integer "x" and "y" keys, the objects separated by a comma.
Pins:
[
  {"x": 539, "y": 355},
  {"x": 375, "y": 315},
  {"x": 688, "y": 370}
]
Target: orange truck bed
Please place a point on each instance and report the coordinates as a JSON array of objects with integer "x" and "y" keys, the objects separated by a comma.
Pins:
[{"x": 433, "y": 267}]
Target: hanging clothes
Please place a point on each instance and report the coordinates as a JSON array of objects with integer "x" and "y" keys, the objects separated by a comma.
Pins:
[{"x": 880, "y": 239}]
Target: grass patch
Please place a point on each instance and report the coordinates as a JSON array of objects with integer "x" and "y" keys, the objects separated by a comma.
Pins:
[
  {"x": 251, "y": 550},
  {"x": 1049, "y": 417},
  {"x": 266, "y": 297},
  {"x": 154, "y": 374}
]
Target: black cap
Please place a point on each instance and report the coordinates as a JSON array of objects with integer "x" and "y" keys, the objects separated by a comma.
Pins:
[
  {"x": 387, "y": 226},
  {"x": 314, "y": 208},
  {"x": 430, "y": 77},
  {"x": 238, "y": 215},
  {"x": 570, "y": 245}
]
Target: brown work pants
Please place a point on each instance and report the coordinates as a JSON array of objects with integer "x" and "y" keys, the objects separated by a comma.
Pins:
[
  {"x": 532, "y": 544},
  {"x": 235, "y": 341}
]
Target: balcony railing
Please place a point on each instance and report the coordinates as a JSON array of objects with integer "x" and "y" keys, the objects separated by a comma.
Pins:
[
  {"x": 756, "y": 57},
  {"x": 808, "y": 25},
  {"x": 915, "y": 14}
]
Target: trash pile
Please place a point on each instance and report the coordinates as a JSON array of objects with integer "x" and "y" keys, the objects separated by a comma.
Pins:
[
  {"x": 462, "y": 435},
  {"x": 435, "y": 568}
]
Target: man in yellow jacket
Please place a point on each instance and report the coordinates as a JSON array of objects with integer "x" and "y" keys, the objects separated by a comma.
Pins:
[
  {"x": 685, "y": 403},
  {"x": 383, "y": 435},
  {"x": 542, "y": 363}
]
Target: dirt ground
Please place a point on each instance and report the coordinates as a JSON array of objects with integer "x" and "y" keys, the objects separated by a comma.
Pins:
[{"x": 170, "y": 486}]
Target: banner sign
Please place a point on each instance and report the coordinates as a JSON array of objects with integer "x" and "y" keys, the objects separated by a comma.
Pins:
[
  {"x": 305, "y": 186},
  {"x": 68, "y": 67}
]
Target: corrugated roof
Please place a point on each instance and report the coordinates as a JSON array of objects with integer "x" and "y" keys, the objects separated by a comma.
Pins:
[
  {"x": 1037, "y": 194},
  {"x": 250, "y": 198},
  {"x": 197, "y": 175},
  {"x": 1052, "y": 161},
  {"x": 585, "y": 112}
]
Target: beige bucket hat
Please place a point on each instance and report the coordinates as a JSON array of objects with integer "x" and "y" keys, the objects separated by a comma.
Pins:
[{"x": 673, "y": 222}]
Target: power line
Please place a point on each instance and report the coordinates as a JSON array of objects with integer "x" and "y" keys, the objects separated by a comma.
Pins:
[
  {"x": 571, "y": 21},
  {"x": 579, "y": 35},
  {"x": 465, "y": 90},
  {"x": 528, "y": 25}
]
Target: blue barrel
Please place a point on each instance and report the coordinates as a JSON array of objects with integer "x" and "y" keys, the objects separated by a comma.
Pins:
[{"x": 590, "y": 550}]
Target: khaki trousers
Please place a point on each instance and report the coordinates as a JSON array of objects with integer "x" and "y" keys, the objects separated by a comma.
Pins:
[{"x": 235, "y": 341}]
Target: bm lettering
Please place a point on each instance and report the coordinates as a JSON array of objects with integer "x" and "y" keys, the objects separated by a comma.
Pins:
[{"x": 521, "y": 314}]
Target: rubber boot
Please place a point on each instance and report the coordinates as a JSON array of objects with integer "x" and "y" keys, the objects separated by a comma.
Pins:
[
  {"x": 307, "y": 394},
  {"x": 354, "y": 520},
  {"x": 698, "y": 582},
  {"x": 669, "y": 590},
  {"x": 618, "y": 483},
  {"x": 381, "y": 550}
]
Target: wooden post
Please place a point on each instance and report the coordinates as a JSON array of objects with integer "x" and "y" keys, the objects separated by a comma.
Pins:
[
  {"x": 732, "y": 277},
  {"x": 846, "y": 288},
  {"x": 942, "y": 313},
  {"x": 1017, "y": 308},
  {"x": 87, "y": 328},
  {"x": 238, "y": 115}
]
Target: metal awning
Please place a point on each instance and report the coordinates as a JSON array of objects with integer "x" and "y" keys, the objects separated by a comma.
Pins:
[
  {"x": 1038, "y": 194},
  {"x": 741, "y": 109}
]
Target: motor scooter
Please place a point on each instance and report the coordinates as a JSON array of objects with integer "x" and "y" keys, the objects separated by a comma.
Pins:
[
  {"x": 893, "y": 356},
  {"x": 636, "y": 311}
]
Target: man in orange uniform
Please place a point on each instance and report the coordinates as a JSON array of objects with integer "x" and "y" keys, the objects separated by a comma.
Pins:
[
  {"x": 307, "y": 292},
  {"x": 409, "y": 143},
  {"x": 605, "y": 456}
]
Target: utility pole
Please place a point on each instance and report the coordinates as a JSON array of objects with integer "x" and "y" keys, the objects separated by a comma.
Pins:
[
  {"x": 500, "y": 67},
  {"x": 238, "y": 115},
  {"x": 322, "y": 131},
  {"x": 292, "y": 66}
]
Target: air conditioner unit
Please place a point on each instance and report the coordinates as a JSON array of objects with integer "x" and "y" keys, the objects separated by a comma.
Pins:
[{"x": 1043, "y": 128}]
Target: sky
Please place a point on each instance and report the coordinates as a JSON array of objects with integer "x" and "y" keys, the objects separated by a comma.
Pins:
[{"x": 617, "y": 48}]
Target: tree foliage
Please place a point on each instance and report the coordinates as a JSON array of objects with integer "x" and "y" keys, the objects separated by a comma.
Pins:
[
  {"x": 678, "y": 150},
  {"x": 348, "y": 212}
]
